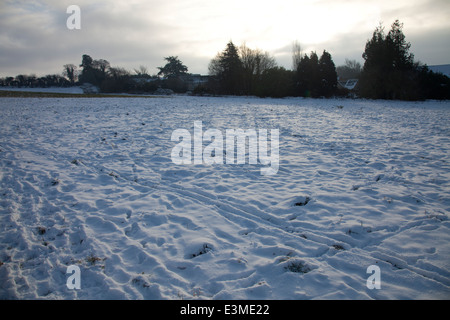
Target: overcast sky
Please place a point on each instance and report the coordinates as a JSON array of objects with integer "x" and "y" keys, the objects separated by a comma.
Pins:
[{"x": 34, "y": 37}]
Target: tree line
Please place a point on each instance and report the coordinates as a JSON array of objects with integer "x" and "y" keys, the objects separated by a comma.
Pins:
[
  {"x": 109, "y": 79},
  {"x": 389, "y": 72},
  {"x": 245, "y": 71}
]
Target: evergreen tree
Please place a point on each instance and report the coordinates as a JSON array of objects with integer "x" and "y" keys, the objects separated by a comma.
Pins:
[
  {"x": 389, "y": 71},
  {"x": 226, "y": 70},
  {"x": 275, "y": 82},
  {"x": 316, "y": 77},
  {"x": 433, "y": 85},
  {"x": 94, "y": 71},
  {"x": 86, "y": 61},
  {"x": 398, "y": 48},
  {"x": 304, "y": 71},
  {"x": 173, "y": 68},
  {"x": 328, "y": 75}
]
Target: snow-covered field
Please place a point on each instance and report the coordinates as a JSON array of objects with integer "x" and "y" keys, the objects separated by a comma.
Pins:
[{"x": 91, "y": 183}]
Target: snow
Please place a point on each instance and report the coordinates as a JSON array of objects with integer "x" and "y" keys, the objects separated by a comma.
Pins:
[{"x": 90, "y": 182}]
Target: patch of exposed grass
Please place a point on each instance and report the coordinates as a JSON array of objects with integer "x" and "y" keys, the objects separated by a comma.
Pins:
[
  {"x": 297, "y": 267},
  {"x": 93, "y": 259}
]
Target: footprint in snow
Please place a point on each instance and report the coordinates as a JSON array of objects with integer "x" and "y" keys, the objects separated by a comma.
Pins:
[
  {"x": 302, "y": 202},
  {"x": 203, "y": 250}
]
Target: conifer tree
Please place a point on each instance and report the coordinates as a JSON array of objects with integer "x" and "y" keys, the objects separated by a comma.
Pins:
[
  {"x": 173, "y": 68},
  {"x": 328, "y": 75},
  {"x": 316, "y": 77},
  {"x": 389, "y": 71},
  {"x": 226, "y": 69}
]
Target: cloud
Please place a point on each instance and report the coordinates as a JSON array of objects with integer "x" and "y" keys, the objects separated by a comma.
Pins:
[{"x": 34, "y": 37}]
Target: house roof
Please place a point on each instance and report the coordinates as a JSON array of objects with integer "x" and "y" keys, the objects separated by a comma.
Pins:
[{"x": 350, "y": 84}]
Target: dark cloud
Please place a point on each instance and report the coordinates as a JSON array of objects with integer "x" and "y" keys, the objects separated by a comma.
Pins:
[{"x": 34, "y": 37}]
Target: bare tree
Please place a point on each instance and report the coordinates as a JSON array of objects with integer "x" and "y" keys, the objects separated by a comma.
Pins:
[
  {"x": 296, "y": 54},
  {"x": 70, "y": 71},
  {"x": 142, "y": 71},
  {"x": 214, "y": 67},
  {"x": 118, "y": 72},
  {"x": 351, "y": 70},
  {"x": 255, "y": 61},
  {"x": 248, "y": 58},
  {"x": 102, "y": 65}
]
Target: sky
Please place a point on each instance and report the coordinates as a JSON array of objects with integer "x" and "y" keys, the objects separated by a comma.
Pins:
[{"x": 35, "y": 39}]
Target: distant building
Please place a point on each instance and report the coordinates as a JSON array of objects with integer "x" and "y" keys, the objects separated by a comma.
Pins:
[{"x": 350, "y": 84}]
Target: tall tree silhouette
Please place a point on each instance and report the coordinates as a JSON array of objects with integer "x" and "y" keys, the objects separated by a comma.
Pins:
[
  {"x": 226, "y": 70},
  {"x": 94, "y": 71},
  {"x": 254, "y": 63},
  {"x": 173, "y": 68},
  {"x": 328, "y": 75},
  {"x": 389, "y": 71},
  {"x": 316, "y": 77},
  {"x": 70, "y": 71}
]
